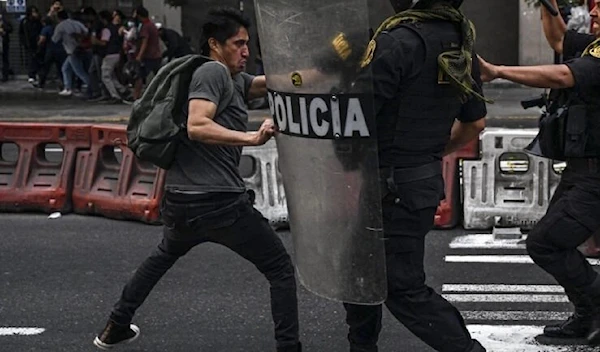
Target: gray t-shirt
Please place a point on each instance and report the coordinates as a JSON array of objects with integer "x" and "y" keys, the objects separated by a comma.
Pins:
[
  {"x": 200, "y": 167},
  {"x": 65, "y": 31}
]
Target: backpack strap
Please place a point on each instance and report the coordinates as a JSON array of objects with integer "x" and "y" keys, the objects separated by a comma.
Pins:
[{"x": 228, "y": 98}]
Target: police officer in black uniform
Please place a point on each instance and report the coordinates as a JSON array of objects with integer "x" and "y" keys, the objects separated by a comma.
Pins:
[
  {"x": 428, "y": 102},
  {"x": 573, "y": 215}
]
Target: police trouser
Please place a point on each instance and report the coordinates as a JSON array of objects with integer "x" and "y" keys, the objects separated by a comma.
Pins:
[
  {"x": 231, "y": 221},
  {"x": 418, "y": 307},
  {"x": 572, "y": 217}
]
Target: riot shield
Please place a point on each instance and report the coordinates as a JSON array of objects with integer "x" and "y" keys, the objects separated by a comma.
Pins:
[{"x": 322, "y": 103}]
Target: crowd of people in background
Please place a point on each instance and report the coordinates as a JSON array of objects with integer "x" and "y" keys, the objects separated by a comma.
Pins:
[{"x": 104, "y": 56}]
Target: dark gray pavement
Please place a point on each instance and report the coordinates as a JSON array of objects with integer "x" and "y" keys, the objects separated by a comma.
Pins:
[{"x": 64, "y": 275}]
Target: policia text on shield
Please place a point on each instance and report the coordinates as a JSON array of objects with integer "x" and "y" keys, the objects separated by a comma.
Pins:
[
  {"x": 569, "y": 130},
  {"x": 416, "y": 89}
]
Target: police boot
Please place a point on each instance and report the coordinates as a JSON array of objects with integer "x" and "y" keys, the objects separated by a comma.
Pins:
[
  {"x": 593, "y": 336},
  {"x": 476, "y": 347},
  {"x": 356, "y": 348},
  {"x": 294, "y": 348},
  {"x": 578, "y": 324}
]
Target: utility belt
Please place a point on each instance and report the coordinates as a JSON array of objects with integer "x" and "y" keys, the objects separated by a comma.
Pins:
[
  {"x": 393, "y": 176},
  {"x": 564, "y": 130}
]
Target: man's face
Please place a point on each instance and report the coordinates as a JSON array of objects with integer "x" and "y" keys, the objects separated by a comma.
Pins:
[
  {"x": 595, "y": 13},
  {"x": 235, "y": 52},
  {"x": 35, "y": 14}
]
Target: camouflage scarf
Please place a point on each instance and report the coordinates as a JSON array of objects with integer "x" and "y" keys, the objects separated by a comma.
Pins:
[{"x": 456, "y": 64}]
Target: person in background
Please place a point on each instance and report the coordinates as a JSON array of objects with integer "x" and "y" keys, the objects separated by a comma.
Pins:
[
  {"x": 176, "y": 45},
  {"x": 148, "y": 53},
  {"x": 29, "y": 31},
  {"x": 5, "y": 31},
  {"x": 112, "y": 44},
  {"x": 69, "y": 31},
  {"x": 54, "y": 53}
]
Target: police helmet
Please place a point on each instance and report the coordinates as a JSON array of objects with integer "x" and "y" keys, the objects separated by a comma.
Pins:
[{"x": 401, "y": 5}]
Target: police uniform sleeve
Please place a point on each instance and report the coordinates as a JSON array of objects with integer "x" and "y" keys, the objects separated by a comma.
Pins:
[
  {"x": 209, "y": 82},
  {"x": 474, "y": 109},
  {"x": 575, "y": 43},
  {"x": 586, "y": 71},
  {"x": 398, "y": 56}
]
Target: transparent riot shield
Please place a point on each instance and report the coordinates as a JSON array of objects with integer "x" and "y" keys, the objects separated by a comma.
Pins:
[{"x": 322, "y": 103}]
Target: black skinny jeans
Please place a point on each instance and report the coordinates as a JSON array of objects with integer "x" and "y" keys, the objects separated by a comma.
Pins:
[{"x": 229, "y": 220}]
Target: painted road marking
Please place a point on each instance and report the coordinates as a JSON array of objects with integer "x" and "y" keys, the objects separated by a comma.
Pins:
[
  {"x": 7, "y": 331},
  {"x": 500, "y": 298},
  {"x": 503, "y": 288},
  {"x": 499, "y": 259},
  {"x": 515, "y": 338},
  {"x": 486, "y": 241},
  {"x": 515, "y": 315}
]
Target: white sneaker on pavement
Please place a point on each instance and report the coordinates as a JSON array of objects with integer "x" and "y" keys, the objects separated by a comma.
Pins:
[{"x": 65, "y": 93}]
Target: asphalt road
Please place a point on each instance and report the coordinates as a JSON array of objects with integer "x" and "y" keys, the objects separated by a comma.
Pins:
[{"x": 64, "y": 275}]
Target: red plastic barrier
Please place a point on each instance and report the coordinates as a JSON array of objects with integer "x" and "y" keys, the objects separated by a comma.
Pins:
[
  {"x": 29, "y": 180},
  {"x": 449, "y": 211},
  {"x": 116, "y": 187}
]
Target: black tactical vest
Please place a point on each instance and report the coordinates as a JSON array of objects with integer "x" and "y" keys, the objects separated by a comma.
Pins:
[
  {"x": 115, "y": 44},
  {"x": 571, "y": 127},
  {"x": 582, "y": 128},
  {"x": 427, "y": 105}
]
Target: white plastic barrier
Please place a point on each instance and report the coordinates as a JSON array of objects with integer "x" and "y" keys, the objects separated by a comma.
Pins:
[
  {"x": 507, "y": 187},
  {"x": 260, "y": 170}
]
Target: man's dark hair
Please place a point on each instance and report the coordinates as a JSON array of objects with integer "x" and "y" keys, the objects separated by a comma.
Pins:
[
  {"x": 142, "y": 12},
  {"x": 62, "y": 15},
  {"x": 120, "y": 14},
  {"x": 222, "y": 23},
  {"x": 105, "y": 15}
]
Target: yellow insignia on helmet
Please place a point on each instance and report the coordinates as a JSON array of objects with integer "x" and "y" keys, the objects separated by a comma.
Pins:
[
  {"x": 341, "y": 46},
  {"x": 369, "y": 53}
]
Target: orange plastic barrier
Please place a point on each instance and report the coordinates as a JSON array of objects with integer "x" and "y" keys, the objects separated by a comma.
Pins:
[
  {"x": 449, "y": 211},
  {"x": 110, "y": 181},
  {"x": 37, "y": 162}
]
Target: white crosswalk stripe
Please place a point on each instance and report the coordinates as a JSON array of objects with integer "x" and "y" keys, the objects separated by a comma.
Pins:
[
  {"x": 11, "y": 331},
  {"x": 499, "y": 259},
  {"x": 506, "y": 332},
  {"x": 515, "y": 338},
  {"x": 503, "y": 288}
]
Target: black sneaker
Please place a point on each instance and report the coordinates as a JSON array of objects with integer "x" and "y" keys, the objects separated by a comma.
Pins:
[{"x": 115, "y": 334}]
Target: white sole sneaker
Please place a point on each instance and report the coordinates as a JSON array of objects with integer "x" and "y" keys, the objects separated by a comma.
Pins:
[{"x": 105, "y": 347}]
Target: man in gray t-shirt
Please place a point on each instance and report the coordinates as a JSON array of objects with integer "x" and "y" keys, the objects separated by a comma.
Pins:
[
  {"x": 205, "y": 198},
  {"x": 215, "y": 166}
]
